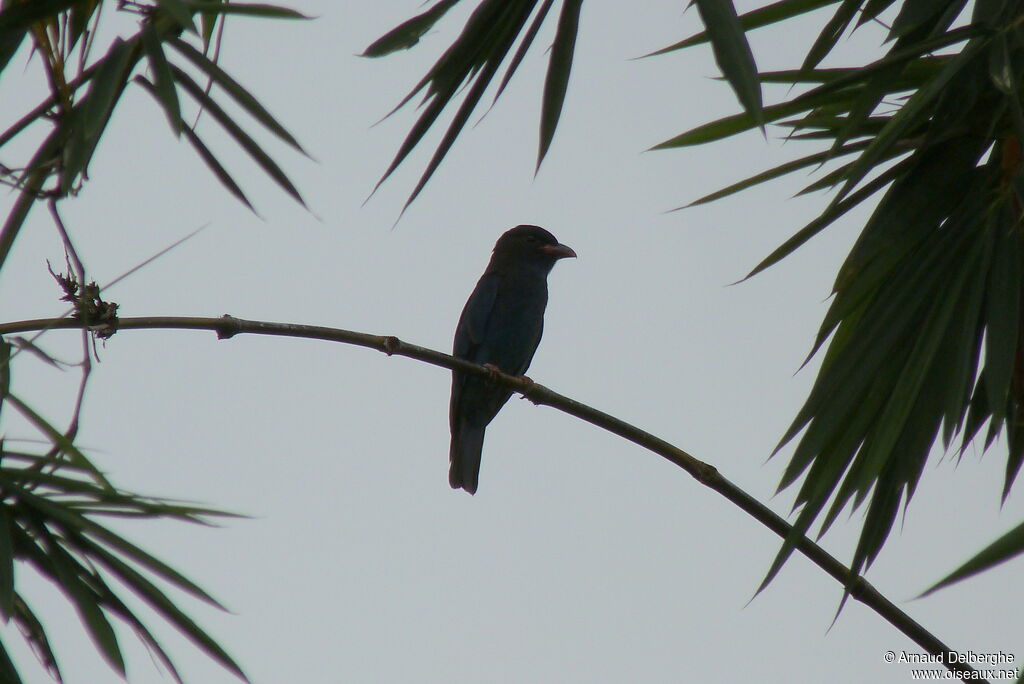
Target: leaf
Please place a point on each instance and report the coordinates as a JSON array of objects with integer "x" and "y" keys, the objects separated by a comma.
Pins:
[
  {"x": 829, "y": 35},
  {"x": 91, "y": 528},
  {"x": 6, "y": 565},
  {"x": 738, "y": 123},
  {"x": 524, "y": 46},
  {"x": 827, "y": 217},
  {"x": 82, "y": 13},
  {"x": 907, "y": 116},
  {"x": 208, "y": 22},
  {"x": 89, "y": 118},
  {"x": 259, "y": 10},
  {"x": 204, "y": 153},
  {"x": 8, "y": 670},
  {"x": 238, "y": 92},
  {"x": 763, "y": 16},
  {"x": 409, "y": 32},
  {"x": 164, "y": 89},
  {"x": 60, "y": 441},
  {"x": 244, "y": 140},
  {"x": 5, "y": 371},
  {"x": 69, "y": 574},
  {"x": 1001, "y": 550},
  {"x": 16, "y": 17},
  {"x": 872, "y": 9},
  {"x": 475, "y": 56},
  {"x": 32, "y": 629},
  {"x": 147, "y": 591},
  {"x": 914, "y": 13},
  {"x": 732, "y": 54},
  {"x": 10, "y": 41},
  {"x": 559, "y": 68},
  {"x": 26, "y": 345},
  {"x": 1002, "y": 311},
  {"x": 778, "y": 171},
  {"x": 179, "y": 12}
]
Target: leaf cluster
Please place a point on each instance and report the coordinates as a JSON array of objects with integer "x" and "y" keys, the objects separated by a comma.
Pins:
[
  {"x": 52, "y": 501},
  {"x": 924, "y": 331},
  {"x": 473, "y": 60},
  {"x": 85, "y": 90},
  {"x": 51, "y": 505},
  {"x": 924, "y": 334}
]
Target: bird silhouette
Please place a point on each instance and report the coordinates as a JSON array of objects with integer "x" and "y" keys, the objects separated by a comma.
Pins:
[{"x": 501, "y": 326}]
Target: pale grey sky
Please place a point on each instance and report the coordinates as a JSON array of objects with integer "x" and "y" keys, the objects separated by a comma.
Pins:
[{"x": 582, "y": 558}]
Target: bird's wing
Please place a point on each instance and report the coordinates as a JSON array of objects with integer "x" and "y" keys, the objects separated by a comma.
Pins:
[{"x": 472, "y": 328}]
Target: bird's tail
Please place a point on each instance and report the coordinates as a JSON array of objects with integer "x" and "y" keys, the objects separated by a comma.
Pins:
[{"x": 467, "y": 445}]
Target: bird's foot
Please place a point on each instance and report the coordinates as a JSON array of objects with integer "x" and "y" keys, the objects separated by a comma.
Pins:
[
  {"x": 493, "y": 371},
  {"x": 527, "y": 386}
]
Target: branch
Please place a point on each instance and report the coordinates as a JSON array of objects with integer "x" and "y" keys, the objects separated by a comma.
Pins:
[{"x": 229, "y": 326}]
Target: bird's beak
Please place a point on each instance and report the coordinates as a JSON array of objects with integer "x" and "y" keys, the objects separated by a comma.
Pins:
[{"x": 558, "y": 251}]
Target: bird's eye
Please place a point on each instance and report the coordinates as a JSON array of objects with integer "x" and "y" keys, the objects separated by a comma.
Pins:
[{"x": 531, "y": 238}]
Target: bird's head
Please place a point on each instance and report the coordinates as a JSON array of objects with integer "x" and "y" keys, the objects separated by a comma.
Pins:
[{"x": 531, "y": 244}]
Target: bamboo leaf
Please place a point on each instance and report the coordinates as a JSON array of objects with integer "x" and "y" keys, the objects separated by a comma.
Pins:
[
  {"x": 524, "y": 46},
  {"x": 914, "y": 13},
  {"x": 70, "y": 574},
  {"x": 776, "y": 172},
  {"x": 6, "y": 565},
  {"x": 732, "y": 53},
  {"x": 90, "y": 117},
  {"x": 32, "y": 629},
  {"x": 238, "y": 92},
  {"x": 559, "y": 68},
  {"x": 84, "y": 525},
  {"x": 409, "y": 32},
  {"x": 8, "y": 670},
  {"x": 763, "y": 16},
  {"x": 208, "y": 23},
  {"x": 738, "y": 123},
  {"x": 147, "y": 591},
  {"x": 204, "y": 152},
  {"x": 872, "y": 9},
  {"x": 907, "y": 116},
  {"x": 59, "y": 440},
  {"x": 829, "y": 35},
  {"x": 16, "y": 17},
  {"x": 1002, "y": 312},
  {"x": 164, "y": 89},
  {"x": 826, "y": 219},
  {"x": 476, "y": 55},
  {"x": 179, "y": 12},
  {"x": 1001, "y": 550},
  {"x": 258, "y": 10},
  {"x": 241, "y": 137},
  {"x": 5, "y": 371}
]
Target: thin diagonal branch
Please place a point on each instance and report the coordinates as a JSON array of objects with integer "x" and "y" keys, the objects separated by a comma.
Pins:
[{"x": 858, "y": 587}]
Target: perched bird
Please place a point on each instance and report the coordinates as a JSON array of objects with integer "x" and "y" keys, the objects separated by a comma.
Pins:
[{"x": 501, "y": 326}]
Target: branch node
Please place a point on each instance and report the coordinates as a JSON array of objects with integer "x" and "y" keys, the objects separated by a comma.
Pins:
[
  {"x": 228, "y": 326},
  {"x": 529, "y": 389},
  {"x": 99, "y": 316},
  {"x": 707, "y": 473},
  {"x": 391, "y": 344}
]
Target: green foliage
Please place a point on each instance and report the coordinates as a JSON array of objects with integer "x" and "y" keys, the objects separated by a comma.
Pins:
[
  {"x": 924, "y": 331},
  {"x": 49, "y": 509},
  {"x": 934, "y": 274},
  {"x": 52, "y": 502},
  {"x": 474, "y": 59},
  {"x": 82, "y": 100}
]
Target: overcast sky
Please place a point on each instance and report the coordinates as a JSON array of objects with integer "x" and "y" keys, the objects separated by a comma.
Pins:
[{"x": 582, "y": 558}]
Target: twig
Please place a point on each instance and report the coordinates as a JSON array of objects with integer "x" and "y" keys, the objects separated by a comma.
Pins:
[
  {"x": 858, "y": 587},
  {"x": 86, "y": 363}
]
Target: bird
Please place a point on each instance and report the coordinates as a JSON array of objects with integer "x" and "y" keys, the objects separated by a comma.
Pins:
[{"x": 500, "y": 327}]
